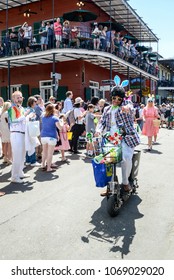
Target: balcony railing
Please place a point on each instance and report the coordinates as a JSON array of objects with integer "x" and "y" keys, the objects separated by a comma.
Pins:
[{"x": 165, "y": 83}]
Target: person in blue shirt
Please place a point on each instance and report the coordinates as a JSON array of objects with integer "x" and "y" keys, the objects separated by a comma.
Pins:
[
  {"x": 68, "y": 105},
  {"x": 50, "y": 123}
]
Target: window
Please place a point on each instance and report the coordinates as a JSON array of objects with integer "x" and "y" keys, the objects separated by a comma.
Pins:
[
  {"x": 46, "y": 89},
  {"x": 14, "y": 88},
  {"x": 94, "y": 86}
]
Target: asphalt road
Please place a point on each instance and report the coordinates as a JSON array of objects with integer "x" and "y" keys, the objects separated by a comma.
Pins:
[{"x": 62, "y": 216}]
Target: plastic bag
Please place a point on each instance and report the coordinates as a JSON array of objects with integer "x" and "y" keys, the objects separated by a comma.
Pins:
[
  {"x": 34, "y": 128},
  {"x": 102, "y": 173}
]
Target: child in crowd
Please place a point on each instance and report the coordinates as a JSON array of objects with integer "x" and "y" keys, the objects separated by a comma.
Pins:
[
  {"x": 90, "y": 129},
  {"x": 63, "y": 137}
]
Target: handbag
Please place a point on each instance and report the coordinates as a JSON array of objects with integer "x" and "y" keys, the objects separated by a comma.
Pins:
[
  {"x": 34, "y": 128},
  {"x": 69, "y": 135},
  {"x": 156, "y": 122}
]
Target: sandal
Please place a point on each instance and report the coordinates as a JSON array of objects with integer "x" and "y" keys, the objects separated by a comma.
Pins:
[
  {"x": 51, "y": 170},
  {"x": 54, "y": 165},
  {"x": 105, "y": 193},
  {"x": 64, "y": 160},
  {"x": 2, "y": 193}
]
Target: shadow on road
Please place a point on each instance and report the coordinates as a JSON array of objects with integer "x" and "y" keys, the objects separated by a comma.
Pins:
[
  {"x": 152, "y": 152},
  {"x": 5, "y": 176},
  {"x": 13, "y": 188},
  {"x": 43, "y": 176},
  {"x": 119, "y": 232}
]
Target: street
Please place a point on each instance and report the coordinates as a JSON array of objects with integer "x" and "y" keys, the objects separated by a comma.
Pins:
[{"x": 62, "y": 215}]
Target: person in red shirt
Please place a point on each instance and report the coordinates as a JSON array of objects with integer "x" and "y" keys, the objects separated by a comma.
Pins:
[
  {"x": 74, "y": 37},
  {"x": 58, "y": 32}
]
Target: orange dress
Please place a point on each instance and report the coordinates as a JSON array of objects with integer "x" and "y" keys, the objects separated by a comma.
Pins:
[{"x": 149, "y": 114}]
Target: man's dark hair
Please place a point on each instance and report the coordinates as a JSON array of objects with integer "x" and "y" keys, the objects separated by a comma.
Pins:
[
  {"x": 95, "y": 100},
  {"x": 68, "y": 93},
  {"x": 118, "y": 91},
  {"x": 37, "y": 96}
]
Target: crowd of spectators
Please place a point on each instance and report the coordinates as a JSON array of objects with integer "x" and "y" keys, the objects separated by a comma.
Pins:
[
  {"x": 14, "y": 120},
  {"x": 64, "y": 35}
]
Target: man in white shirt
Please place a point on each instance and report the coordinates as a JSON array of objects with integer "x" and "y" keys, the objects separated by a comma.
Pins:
[
  {"x": 16, "y": 117},
  {"x": 68, "y": 105},
  {"x": 27, "y": 36}
]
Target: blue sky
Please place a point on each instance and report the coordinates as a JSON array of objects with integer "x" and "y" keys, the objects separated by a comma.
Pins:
[{"x": 159, "y": 16}]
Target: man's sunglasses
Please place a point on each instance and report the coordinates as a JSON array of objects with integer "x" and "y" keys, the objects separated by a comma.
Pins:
[{"x": 117, "y": 98}]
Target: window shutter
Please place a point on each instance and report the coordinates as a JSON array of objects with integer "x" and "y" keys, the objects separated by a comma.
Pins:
[
  {"x": 3, "y": 34},
  {"x": 36, "y": 27},
  {"x": 35, "y": 91},
  {"x": 25, "y": 93},
  {"x": 4, "y": 93},
  {"x": 87, "y": 93},
  {"x": 61, "y": 93}
]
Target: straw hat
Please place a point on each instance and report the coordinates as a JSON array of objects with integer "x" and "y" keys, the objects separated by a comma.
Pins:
[
  {"x": 66, "y": 22},
  {"x": 78, "y": 100}
]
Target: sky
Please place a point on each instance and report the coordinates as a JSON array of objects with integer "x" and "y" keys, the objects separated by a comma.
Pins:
[{"x": 159, "y": 16}]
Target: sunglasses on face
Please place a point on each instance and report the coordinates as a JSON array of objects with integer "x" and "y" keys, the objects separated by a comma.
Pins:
[
  {"x": 117, "y": 98},
  {"x": 150, "y": 101}
]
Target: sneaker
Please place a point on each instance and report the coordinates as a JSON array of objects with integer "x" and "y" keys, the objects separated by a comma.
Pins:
[
  {"x": 19, "y": 181},
  {"x": 89, "y": 156},
  {"x": 27, "y": 163},
  {"x": 126, "y": 188},
  {"x": 77, "y": 152},
  {"x": 25, "y": 176},
  {"x": 36, "y": 164}
]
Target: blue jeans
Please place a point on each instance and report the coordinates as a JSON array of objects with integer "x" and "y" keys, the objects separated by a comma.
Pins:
[{"x": 31, "y": 159}]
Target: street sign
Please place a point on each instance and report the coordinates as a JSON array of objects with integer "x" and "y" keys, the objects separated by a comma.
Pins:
[{"x": 57, "y": 76}]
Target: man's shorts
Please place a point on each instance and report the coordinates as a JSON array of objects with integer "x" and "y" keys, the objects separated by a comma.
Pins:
[
  {"x": 58, "y": 38},
  {"x": 44, "y": 40}
]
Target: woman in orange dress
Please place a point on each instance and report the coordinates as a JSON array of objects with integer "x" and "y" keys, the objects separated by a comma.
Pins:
[{"x": 150, "y": 113}]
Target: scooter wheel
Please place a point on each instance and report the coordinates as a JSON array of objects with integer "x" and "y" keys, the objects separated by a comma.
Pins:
[{"x": 112, "y": 206}]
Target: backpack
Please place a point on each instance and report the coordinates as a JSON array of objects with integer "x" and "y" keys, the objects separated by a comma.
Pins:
[
  {"x": 70, "y": 117},
  {"x": 167, "y": 113}
]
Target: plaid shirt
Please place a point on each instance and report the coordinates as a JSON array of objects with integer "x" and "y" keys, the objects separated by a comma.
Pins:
[{"x": 125, "y": 120}]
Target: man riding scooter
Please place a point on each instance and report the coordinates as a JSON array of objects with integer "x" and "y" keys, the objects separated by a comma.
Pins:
[{"x": 120, "y": 116}]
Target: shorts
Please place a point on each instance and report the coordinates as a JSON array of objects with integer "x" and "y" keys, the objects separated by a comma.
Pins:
[
  {"x": 14, "y": 46},
  {"x": 170, "y": 119},
  {"x": 49, "y": 140},
  {"x": 26, "y": 42},
  {"x": 58, "y": 38},
  {"x": 44, "y": 40},
  {"x": 163, "y": 118}
]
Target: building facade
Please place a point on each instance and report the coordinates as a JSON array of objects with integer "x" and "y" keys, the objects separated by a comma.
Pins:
[{"x": 83, "y": 70}]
